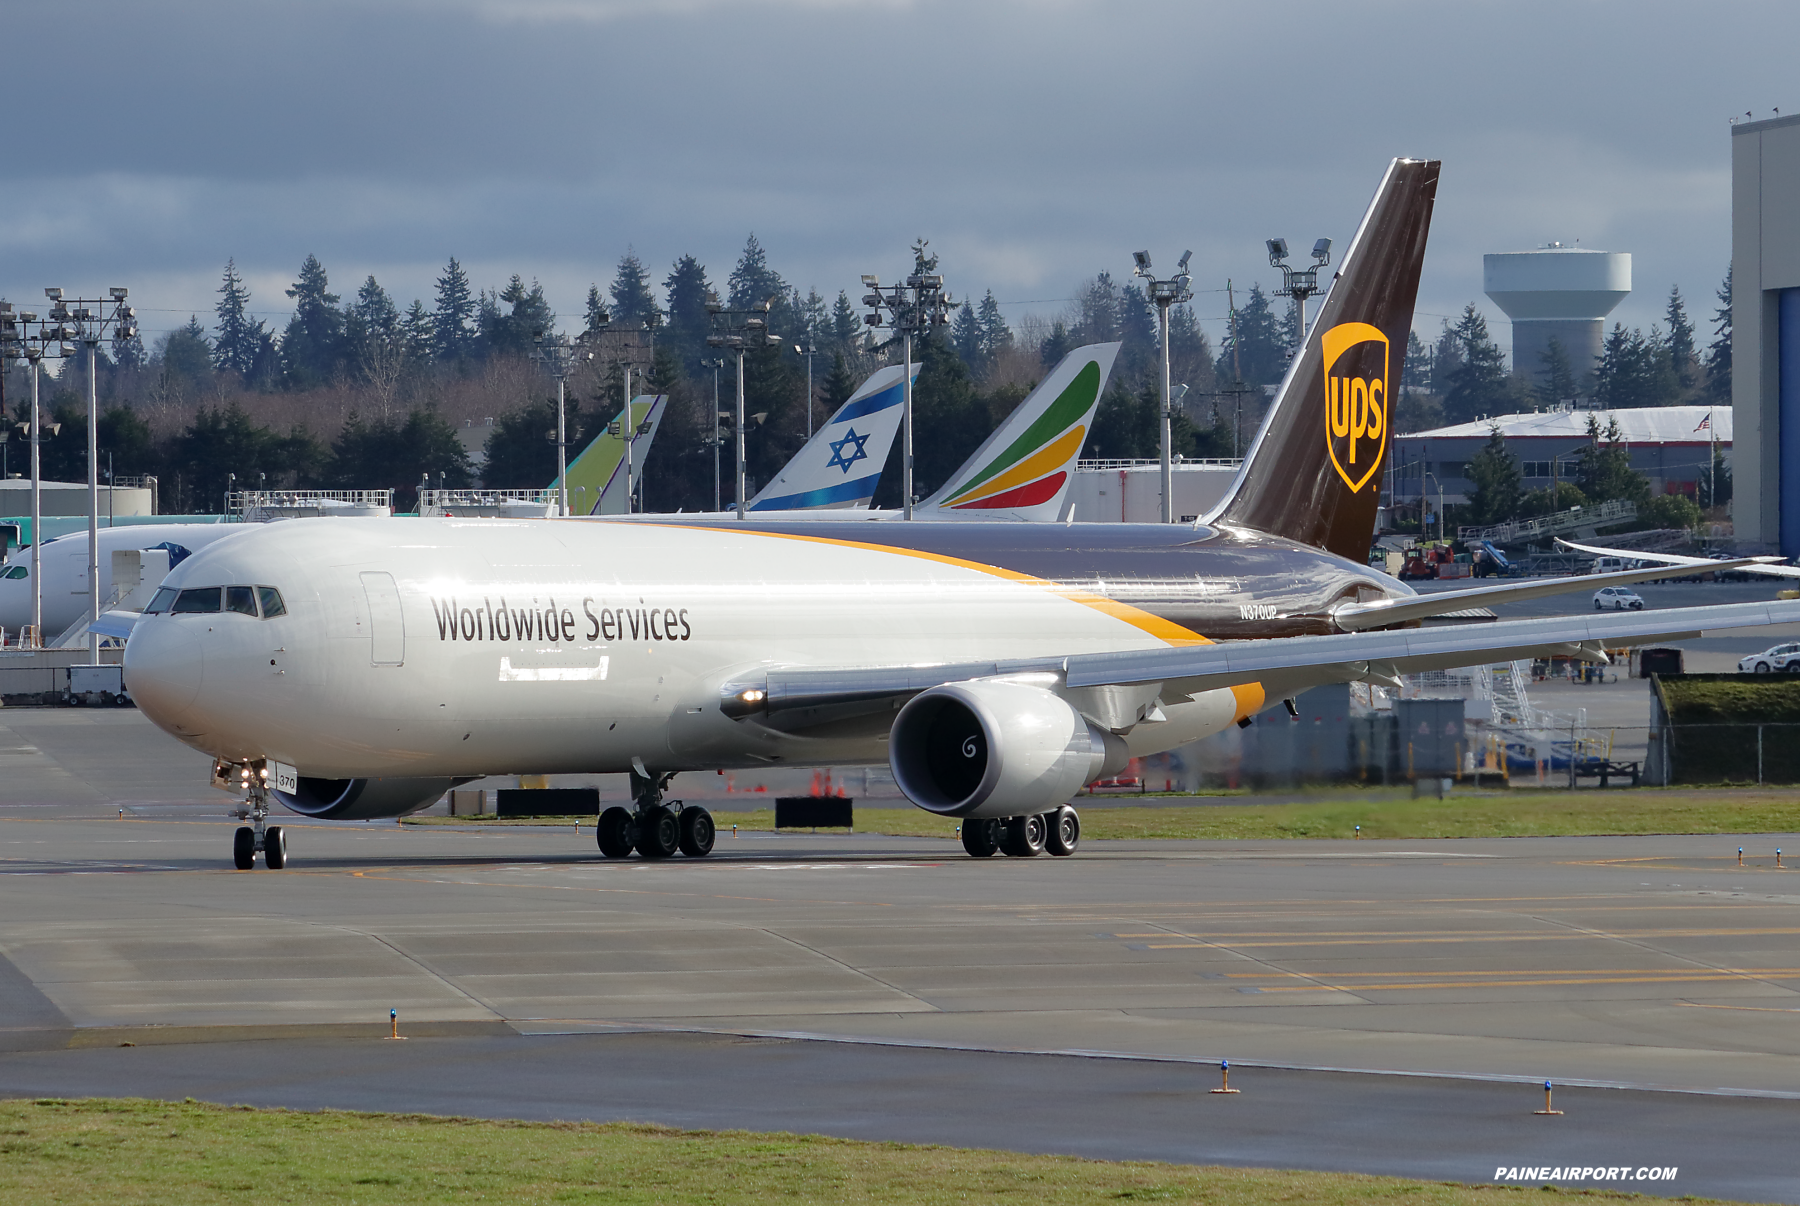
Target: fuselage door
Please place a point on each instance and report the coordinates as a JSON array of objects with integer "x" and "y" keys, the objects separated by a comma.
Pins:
[{"x": 387, "y": 627}]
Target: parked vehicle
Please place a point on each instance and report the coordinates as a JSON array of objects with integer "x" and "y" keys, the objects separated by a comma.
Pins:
[
  {"x": 1783, "y": 658},
  {"x": 1617, "y": 598}
]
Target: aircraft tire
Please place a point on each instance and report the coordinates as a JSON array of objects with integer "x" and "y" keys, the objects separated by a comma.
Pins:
[
  {"x": 697, "y": 831},
  {"x": 659, "y": 834},
  {"x": 981, "y": 838},
  {"x": 274, "y": 848},
  {"x": 1062, "y": 831},
  {"x": 243, "y": 848},
  {"x": 613, "y": 832},
  {"x": 1022, "y": 837}
]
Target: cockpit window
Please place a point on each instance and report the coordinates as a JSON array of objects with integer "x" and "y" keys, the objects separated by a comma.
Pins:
[
  {"x": 198, "y": 599},
  {"x": 16, "y": 571},
  {"x": 241, "y": 599},
  {"x": 271, "y": 602},
  {"x": 160, "y": 602}
]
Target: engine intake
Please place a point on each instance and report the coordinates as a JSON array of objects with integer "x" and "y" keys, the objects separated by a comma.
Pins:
[
  {"x": 363, "y": 799},
  {"x": 997, "y": 749}
]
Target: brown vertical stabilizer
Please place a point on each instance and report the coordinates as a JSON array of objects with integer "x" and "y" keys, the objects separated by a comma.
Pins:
[{"x": 1314, "y": 472}]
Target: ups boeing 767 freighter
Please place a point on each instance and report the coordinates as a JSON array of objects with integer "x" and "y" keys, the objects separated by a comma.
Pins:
[{"x": 358, "y": 669}]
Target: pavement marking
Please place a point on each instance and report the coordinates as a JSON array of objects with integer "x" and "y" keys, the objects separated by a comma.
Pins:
[{"x": 1676, "y": 978}]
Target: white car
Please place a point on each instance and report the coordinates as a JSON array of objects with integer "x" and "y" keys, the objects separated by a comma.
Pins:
[
  {"x": 1618, "y": 598},
  {"x": 1781, "y": 657}
]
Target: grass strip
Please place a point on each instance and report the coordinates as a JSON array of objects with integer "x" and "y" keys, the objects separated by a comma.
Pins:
[
  {"x": 116, "y": 1152},
  {"x": 1382, "y": 814}
]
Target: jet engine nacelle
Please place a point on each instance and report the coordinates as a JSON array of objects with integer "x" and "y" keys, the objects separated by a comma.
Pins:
[
  {"x": 363, "y": 799},
  {"x": 997, "y": 749}
]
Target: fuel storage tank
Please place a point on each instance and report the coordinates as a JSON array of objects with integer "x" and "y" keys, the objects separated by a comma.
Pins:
[{"x": 1560, "y": 293}]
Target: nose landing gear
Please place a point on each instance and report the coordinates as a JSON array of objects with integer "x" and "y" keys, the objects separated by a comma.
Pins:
[
  {"x": 258, "y": 837},
  {"x": 656, "y": 829}
]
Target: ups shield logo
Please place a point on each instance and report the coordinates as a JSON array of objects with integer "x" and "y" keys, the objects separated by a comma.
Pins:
[{"x": 1356, "y": 400}]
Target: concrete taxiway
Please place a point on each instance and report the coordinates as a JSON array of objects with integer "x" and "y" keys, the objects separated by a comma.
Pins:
[{"x": 1463, "y": 971}]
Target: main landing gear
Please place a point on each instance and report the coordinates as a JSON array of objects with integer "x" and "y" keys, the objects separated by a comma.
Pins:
[
  {"x": 258, "y": 837},
  {"x": 1057, "y": 833},
  {"x": 655, "y": 829}
]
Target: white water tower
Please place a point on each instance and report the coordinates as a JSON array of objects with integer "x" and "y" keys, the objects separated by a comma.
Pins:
[{"x": 1560, "y": 293}]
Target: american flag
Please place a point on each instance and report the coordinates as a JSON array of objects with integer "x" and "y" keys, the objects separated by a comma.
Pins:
[{"x": 1705, "y": 424}]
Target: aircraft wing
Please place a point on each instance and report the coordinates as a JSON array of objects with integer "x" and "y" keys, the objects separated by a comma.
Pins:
[
  {"x": 1383, "y": 612},
  {"x": 799, "y": 700},
  {"x": 1756, "y": 565}
]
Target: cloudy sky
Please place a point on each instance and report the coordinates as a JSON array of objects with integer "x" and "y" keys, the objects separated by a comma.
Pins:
[{"x": 1035, "y": 142}]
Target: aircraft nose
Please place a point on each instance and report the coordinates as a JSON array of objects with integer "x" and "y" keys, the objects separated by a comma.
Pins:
[{"x": 163, "y": 669}]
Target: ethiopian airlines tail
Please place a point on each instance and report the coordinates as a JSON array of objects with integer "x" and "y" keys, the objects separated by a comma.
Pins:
[
  {"x": 1314, "y": 471},
  {"x": 1022, "y": 471},
  {"x": 597, "y": 476},
  {"x": 841, "y": 465}
]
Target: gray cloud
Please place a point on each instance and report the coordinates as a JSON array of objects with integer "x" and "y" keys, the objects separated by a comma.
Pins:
[{"x": 1034, "y": 142}]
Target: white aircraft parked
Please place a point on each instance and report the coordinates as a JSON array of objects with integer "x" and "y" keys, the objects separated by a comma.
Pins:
[
  {"x": 64, "y": 564},
  {"x": 358, "y": 670}
]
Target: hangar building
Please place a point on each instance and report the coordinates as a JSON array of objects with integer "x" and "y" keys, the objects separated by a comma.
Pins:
[
  {"x": 1765, "y": 331},
  {"x": 1671, "y": 445}
]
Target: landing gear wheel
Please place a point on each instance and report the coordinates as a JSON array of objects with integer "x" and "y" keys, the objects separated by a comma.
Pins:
[
  {"x": 613, "y": 833},
  {"x": 243, "y": 848},
  {"x": 696, "y": 832},
  {"x": 1022, "y": 837},
  {"x": 1064, "y": 835},
  {"x": 658, "y": 833},
  {"x": 274, "y": 848},
  {"x": 981, "y": 838}
]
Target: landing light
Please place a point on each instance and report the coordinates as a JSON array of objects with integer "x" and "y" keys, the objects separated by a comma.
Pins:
[{"x": 753, "y": 695}]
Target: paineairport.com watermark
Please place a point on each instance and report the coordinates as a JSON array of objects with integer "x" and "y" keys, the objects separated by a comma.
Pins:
[{"x": 1578, "y": 1174}]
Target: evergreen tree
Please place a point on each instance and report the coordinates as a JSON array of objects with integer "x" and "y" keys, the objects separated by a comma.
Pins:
[
  {"x": 1446, "y": 360},
  {"x": 839, "y": 384},
  {"x": 1556, "y": 376},
  {"x": 521, "y": 450},
  {"x": 187, "y": 353},
  {"x": 1097, "y": 314},
  {"x": 1635, "y": 370},
  {"x": 1715, "y": 488},
  {"x": 686, "y": 288},
  {"x": 1605, "y": 471},
  {"x": 312, "y": 347},
  {"x": 1498, "y": 485},
  {"x": 846, "y": 324},
  {"x": 996, "y": 336},
  {"x": 596, "y": 316},
  {"x": 1260, "y": 346},
  {"x": 1415, "y": 371},
  {"x": 1478, "y": 386},
  {"x": 1190, "y": 355},
  {"x": 1057, "y": 344},
  {"x": 514, "y": 331},
  {"x": 1718, "y": 353},
  {"x": 129, "y": 353},
  {"x": 418, "y": 334},
  {"x": 396, "y": 455},
  {"x": 1137, "y": 329},
  {"x": 1682, "y": 355},
  {"x": 753, "y": 282},
  {"x": 965, "y": 337},
  {"x": 634, "y": 306},
  {"x": 235, "y": 349},
  {"x": 453, "y": 329}
]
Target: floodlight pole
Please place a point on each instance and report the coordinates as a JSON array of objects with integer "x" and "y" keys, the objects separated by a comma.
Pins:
[
  {"x": 558, "y": 356},
  {"x": 90, "y": 322},
  {"x": 629, "y": 430},
  {"x": 717, "y": 363},
  {"x": 808, "y": 352},
  {"x": 1165, "y": 294},
  {"x": 1299, "y": 283},
  {"x": 740, "y": 330},
  {"x": 911, "y": 308},
  {"x": 36, "y": 356}
]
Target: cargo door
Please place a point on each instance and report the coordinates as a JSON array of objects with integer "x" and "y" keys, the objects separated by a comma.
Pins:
[{"x": 387, "y": 627}]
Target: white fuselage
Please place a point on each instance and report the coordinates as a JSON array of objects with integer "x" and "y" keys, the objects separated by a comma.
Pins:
[{"x": 539, "y": 646}]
